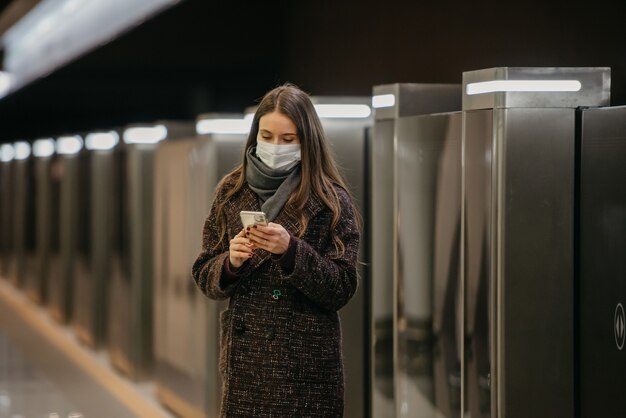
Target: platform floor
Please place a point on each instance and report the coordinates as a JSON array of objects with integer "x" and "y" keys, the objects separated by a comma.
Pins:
[{"x": 46, "y": 373}]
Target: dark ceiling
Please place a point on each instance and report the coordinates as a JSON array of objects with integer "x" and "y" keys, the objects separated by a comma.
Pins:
[
  {"x": 4, "y": 4},
  {"x": 207, "y": 55}
]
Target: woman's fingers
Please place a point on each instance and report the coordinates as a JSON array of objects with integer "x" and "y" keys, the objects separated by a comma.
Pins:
[
  {"x": 240, "y": 254},
  {"x": 240, "y": 249},
  {"x": 256, "y": 237},
  {"x": 273, "y": 237}
]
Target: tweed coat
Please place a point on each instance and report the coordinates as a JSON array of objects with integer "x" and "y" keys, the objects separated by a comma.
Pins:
[{"x": 281, "y": 357}]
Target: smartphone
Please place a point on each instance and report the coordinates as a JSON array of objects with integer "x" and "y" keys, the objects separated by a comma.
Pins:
[{"x": 249, "y": 218}]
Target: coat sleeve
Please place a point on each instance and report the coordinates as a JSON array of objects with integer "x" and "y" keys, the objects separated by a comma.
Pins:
[
  {"x": 327, "y": 281},
  {"x": 208, "y": 268}
]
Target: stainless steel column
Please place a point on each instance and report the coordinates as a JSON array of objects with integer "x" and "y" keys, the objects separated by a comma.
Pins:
[
  {"x": 91, "y": 286},
  {"x": 54, "y": 273},
  {"x": 518, "y": 214},
  {"x": 393, "y": 102},
  {"x": 46, "y": 219},
  {"x": 23, "y": 215},
  {"x": 130, "y": 320},
  {"x": 187, "y": 322},
  {"x": 7, "y": 154},
  {"x": 345, "y": 121},
  {"x": 601, "y": 263},
  {"x": 71, "y": 173},
  {"x": 427, "y": 235}
]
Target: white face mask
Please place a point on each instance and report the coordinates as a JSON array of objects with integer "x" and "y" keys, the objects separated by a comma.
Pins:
[{"x": 278, "y": 156}]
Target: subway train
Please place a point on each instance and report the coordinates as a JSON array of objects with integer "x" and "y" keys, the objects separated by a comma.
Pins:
[{"x": 492, "y": 277}]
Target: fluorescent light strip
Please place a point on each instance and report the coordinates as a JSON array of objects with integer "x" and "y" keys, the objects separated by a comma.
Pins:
[
  {"x": 102, "y": 141},
  {"x": 383, "y": 100},
  {"x": 22, "y": 150},
  {"x": 5, "y": 83},
  {"x": 224, "y": 126},
  {"x": 68, "y": 145},
  {"x": 7, "y": 153},
  {"x": 43, "y": 148},
  {"x": 342, "y": 111},
  {"x": 55, "y": 32},
  {"x": 496, "y": 86},
  {"x": 145, "y": 135}
]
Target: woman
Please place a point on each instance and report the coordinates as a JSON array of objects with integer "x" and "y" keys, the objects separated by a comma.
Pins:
[{"x": 280, "y": 336}]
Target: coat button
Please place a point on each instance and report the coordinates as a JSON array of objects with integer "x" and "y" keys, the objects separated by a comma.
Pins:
[
  {"x": 239, "y": 328},
  {"x": 270, "y": 333}
]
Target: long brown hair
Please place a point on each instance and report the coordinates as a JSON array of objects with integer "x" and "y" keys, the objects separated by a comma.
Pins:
[{"x": 319, "y": 170}]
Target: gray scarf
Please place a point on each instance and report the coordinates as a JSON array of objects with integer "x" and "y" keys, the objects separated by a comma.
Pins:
[{"x": 273, "y": 187}]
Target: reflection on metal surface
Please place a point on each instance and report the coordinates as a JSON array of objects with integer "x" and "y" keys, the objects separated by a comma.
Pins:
[
  {"x": 428, "y": 208},
  {"x": 382, "y": 269},
  {"x": 383, "y": 356},
  {"x": 478, "y": 230},
  {"x": 394, "y": 103},
  {"x": 348, "y": 141}
]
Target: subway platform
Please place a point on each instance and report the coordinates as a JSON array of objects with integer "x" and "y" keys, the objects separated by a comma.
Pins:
[{"x": 46, "y": 373}]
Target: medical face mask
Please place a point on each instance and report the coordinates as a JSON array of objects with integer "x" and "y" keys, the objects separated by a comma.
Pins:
[{"x": 278, "y": 156}]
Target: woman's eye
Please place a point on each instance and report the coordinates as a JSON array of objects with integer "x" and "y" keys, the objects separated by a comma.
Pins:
[{"x": 267, "y": 138}]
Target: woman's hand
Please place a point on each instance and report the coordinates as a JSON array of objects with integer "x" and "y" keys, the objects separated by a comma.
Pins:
[
  {"x": 240, "y": 249},
  {"x": 273, "y": 238}
]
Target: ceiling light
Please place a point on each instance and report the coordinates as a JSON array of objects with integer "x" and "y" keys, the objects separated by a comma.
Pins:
[
  {"x": 145, "y": 134},
  {"x": 224, "y": 126},
  {"x": 43, "y": 147},
  {"x": 68, "y": 145},
  {"x": 102, "y": 141},
  {"x": 55, "y": 32},
  {"x": 7, "y": 153},
  {"x": 22, "y": 150}
]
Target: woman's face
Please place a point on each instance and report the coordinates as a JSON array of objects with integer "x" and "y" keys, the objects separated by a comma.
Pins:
[{"x": 277, "y": 129}]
